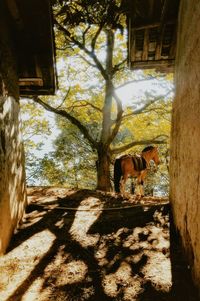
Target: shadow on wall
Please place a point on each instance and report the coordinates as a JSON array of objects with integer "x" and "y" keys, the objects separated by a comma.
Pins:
[{"x": 12, "y": 180}]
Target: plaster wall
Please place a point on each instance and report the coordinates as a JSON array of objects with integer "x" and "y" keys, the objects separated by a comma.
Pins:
[
  {"x": 12, "y": 175},
  {"x": 185, "y": 139}
]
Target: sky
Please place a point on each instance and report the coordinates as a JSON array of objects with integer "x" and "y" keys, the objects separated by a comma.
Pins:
[{"x": 132, "y": 93}]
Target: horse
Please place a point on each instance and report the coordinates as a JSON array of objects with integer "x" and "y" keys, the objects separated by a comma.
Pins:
[{"x": 134, "y": 166}]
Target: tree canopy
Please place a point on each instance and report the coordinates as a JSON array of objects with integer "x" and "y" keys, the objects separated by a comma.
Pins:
[{"x": 96, "y": 123}]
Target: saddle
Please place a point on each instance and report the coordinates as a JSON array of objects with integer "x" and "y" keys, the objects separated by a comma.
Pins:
[{"x": 139, "y": 163}]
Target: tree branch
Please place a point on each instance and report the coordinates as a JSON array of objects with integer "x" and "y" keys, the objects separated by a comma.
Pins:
[
  {"x": 87, "y": 61},
  {"x": 86, "y": 103},
  {"x": 155, "y": 140},
  {"x": 64, "y": 98},
  {"x": 117, "y": 66},
  {"x": 93, "y": 42},
  {"x": 143, "y": 108},
  {"x": 135, "y": 81},
  {"x": 91, "y": 54},
  {"x": 85, "y": 32},
  {"x": 71, "y": 118}
]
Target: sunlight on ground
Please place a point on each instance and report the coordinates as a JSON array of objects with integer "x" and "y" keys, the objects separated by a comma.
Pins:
[
  {"x": 91, "y": 250},
  {"x": 19, "y": 264},
  {"x": 149, "y": 247},
  {"x": 73, "y": 272},
  {"x": 153, "y": 265},
  {"x": 84, "y": 219},
  {"x": 158, "y": 271},
  {"x": 158, "y": 268},
  {"x": 122, "y": 280},
  {"x": 34, "y": 291}
]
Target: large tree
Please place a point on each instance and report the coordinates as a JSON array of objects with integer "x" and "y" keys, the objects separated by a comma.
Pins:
[{"x": 90, "y": 30}]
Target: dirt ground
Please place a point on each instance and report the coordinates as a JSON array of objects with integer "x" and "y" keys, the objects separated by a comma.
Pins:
[{"x": 87, "y": 245}]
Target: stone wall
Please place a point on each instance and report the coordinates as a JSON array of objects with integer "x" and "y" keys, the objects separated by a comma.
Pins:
[
  {"x": 185, "y": 144},
  {"x": 12, "y": 175}
]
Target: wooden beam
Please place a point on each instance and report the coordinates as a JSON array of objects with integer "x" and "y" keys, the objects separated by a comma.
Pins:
[
  {"x": 152, "y": 25},
  {"x": 132, "y": 42},
  {"x": 152, "y": 64},
  {"x": 31, "y": 82},
  {"x": 145, "y": 45},
  {"x": 172, "y": 51},
  {"x": 162, "y": 28},
  {"x": 159, "y": 44}
]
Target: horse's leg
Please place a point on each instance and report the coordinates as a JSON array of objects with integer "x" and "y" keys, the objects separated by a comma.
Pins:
[
  {"x": 142, "y": 188},
  {"x": 138, "y": 185},
  {"x": 140, "y": 182},
  {"x": 123, "y": 183},
  {"x": 142, "y": 177},
  {"x": 132, "y": 186}
]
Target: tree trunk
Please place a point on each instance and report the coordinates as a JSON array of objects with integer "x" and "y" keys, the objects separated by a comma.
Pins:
[
  {"x": 103, "y": 164},
  {"x": 103, "y": 170}
]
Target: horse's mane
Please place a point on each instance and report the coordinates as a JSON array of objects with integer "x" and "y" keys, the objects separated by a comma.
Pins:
[{"x": 148, "y": 148}]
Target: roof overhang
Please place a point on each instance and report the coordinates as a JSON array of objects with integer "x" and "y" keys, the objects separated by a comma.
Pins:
[
  {"x": 152, "y": 27},
  {"x": 32, "y": 32}
]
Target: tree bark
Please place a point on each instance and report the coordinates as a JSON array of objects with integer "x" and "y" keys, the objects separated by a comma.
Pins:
[
  {"x": 103, "y": 163},
  {"x": 103, "y": 170}
]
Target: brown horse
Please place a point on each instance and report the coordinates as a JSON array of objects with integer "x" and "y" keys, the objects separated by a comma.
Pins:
[{"x": 135, "y": 166}]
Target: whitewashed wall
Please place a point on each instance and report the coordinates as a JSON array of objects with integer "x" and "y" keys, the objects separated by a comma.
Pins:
[
  {"x": 12, "y": 175},
  {"x": 185, "y": 142}
]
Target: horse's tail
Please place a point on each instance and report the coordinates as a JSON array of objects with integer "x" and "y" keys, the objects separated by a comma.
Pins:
[{"x": 117, "y": 174}]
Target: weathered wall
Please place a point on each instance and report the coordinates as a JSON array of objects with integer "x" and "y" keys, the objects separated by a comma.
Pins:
[
  {"x": 185, "y": 144},
  {"x": 12, "y": 177}
]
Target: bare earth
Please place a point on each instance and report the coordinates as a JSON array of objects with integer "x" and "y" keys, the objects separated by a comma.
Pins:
[{"x": 87, "y": 245}]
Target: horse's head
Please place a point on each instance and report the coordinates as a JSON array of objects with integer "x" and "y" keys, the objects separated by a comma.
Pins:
[
  {"x": 155, "y": 156},
  {"x": 151, "y": 153}
]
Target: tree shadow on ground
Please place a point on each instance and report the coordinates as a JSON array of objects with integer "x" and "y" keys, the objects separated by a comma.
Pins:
[
  {"x": 182, "y": 286},
  {"x": 105, "y": 259},
  {"x": 63, "y": 240}
]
